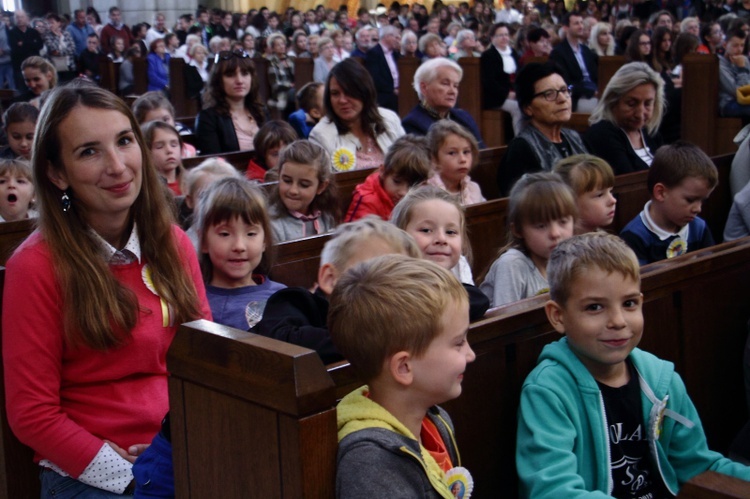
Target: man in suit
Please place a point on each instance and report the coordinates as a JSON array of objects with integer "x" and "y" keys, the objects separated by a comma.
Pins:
[
  {"x": 579, "y": 65},
  {"x": 24, "y": 42},
  {"x": 380, "y": 62}
]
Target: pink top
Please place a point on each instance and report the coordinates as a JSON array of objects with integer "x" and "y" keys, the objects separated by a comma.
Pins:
[
  {"x": 370, "y": 155},
  {"x": 470, "y": 191},
  {"x": 63, "y": 401}
]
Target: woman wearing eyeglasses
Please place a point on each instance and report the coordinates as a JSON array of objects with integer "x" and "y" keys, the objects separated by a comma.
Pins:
[
  {"x": 232, "y": 113},
  {"x": 624, "y": 123},
  {"x": 544, "y": 98}
]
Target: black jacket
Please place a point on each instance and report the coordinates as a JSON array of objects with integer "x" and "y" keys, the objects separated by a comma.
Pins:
[
  {"x": 23, "y": 44},
  {"x": 378, "y": 68},
  {"x": 564, "y": 57},
  {"x": 609, "y": 142},
  {"x": 215, "y": 133},
  {"x": 496, "y": 83}
]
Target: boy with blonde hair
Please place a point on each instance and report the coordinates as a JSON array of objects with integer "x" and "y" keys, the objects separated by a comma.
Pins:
[
  {"x": 597, "y": 414},
  {"x": 297, "y": 316},
  {"x": 680, "y": 179},
  {"x": 408, "y": 343}
]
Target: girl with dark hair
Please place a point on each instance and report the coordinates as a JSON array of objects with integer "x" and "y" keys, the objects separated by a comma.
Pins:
[
  {"x": 355, "y": 131},
  {"x": 232, "y": 113}
]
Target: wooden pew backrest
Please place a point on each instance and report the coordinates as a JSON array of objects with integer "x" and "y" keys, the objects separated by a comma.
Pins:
[{"x": 249, "y": 414}]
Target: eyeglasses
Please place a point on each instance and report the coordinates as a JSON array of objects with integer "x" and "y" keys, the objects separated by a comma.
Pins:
[
  {"x": 225, "y": 55},
  {"x": 644, "y": 44},
  {"x": 552, "y": 94}
]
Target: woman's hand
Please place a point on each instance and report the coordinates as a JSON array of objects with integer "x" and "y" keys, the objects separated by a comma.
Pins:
[{"x": 131, "y": 454}]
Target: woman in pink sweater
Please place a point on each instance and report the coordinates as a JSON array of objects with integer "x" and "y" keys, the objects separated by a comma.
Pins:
[{"x": 93, "y": 298}]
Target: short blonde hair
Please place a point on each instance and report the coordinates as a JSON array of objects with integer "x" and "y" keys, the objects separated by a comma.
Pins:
[
  {"x": 342, "y": 245},
  {"x": 585, "y": 173},
  {"x": 580, "y": 254},
  {"x": 370, "y": 318}
]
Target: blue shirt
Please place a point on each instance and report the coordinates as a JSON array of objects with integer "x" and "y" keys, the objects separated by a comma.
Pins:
[{"x": 79, "y": 35}]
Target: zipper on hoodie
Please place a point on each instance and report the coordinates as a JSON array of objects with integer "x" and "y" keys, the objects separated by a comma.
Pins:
[
  {"x": 421, "y": 462},
  {"x": 610, "y": 484},
  {"x": 452, "y": 436}
]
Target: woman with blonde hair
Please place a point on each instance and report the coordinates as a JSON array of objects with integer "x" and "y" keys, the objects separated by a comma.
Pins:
[
  {"x": 97, "y": 295},
  {"x": 601, "y": 40},
  {"x": 624, "y": 123}
]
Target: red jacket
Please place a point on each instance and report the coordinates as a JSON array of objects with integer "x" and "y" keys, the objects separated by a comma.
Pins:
[{"x": 370, "y": 198}]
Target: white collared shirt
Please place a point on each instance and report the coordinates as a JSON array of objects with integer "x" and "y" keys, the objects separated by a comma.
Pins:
[
  {"x": 128, "y": 254},
  {"x": 661, "y": 233}
]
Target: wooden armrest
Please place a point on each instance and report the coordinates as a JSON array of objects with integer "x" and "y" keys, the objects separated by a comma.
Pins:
[{"x": 712, "y": 485}]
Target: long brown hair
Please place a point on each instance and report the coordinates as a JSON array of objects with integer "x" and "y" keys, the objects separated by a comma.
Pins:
[
  {"x": 215, "y": 96},
  {"x": 99, "y": 312}
]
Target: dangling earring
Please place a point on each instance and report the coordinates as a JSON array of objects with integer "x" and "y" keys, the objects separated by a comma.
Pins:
[{"x": 65, "y": 200}]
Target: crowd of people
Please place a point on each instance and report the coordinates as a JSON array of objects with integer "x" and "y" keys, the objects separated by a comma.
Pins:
[{"x": 130, "y": 244}]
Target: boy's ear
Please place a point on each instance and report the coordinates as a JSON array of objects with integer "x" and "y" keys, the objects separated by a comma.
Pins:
[
  {"x": 327, "y": 277},
  {"x": 659, "y": 192},
  {"x": 400, "y": 369},
  {"x": 57, "y": 177},
  {"x": 555, "y": 315},
  {"x": 322, "y": 187}
]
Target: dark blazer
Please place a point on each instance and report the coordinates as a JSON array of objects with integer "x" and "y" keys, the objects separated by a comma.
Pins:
[
  {"x": 378, "y": 68},
  {"x": 609, "y": 142},
  {"x": 496, "y": 84},
  {"x": 419, "y": 121},
  {"x": 215, "y": 133},
  {"x": 564, "y": 57},
  {"x": 23, "y": 44}
]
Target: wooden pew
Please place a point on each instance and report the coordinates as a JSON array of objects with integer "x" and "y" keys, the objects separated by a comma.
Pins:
[
  {"x": 19, "y": 476},
  {"x": 608, "y": 66},
  {"x": 140, "y": 75},
  {"x": 469, "y": 93},
  {"x": 407, "y": 96},
  {"x": 485, "y": 173},
  {"x": 109, "y": 74},
  {"x": 183, "y": 106},
  {"x": 221, "y": 377},
  {"x": 276, "y": 401},
  {"x": 701, "y": 123},
  {"x": 303, "y": 72},
  {"x": 12, "y": 234}
]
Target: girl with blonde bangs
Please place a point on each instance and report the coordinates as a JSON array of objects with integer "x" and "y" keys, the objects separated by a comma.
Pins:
[{"x": 109, "y": 278}]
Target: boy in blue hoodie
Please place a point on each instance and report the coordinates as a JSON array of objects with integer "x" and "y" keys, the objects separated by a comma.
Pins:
[
  {"x": 597, "y": 414},
  {"x": 402, "y": 323}
]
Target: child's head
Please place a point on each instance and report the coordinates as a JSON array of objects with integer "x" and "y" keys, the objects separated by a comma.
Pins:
[
  {"x": 199, "y": 178},
  {"x": 358, "y": 241},
  {"x": 269, "y": 141},
  {"x": 20, "y": 121},
  {"x": 16, "y": 189},
  {"x": 165, "y": 144},
  {"x": 310, "y": 99},
  {"x": 592, "y": 180},
  {"x": 305, "y": 180},
  {"x": 454, "y": 151},
  {"x": 153, "y": 106},
  {"x": 681, "y": 177},
  {"x": 436, "y": 220},
  {"x": 596, "y": 301},
  {"x": 424, "y": 346},
  {"x": 406, "y": 164},
  {"x": 118, "y": 44},
  {"x": 234, "y": 232},
  {"x": 541, "y": 213}
]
